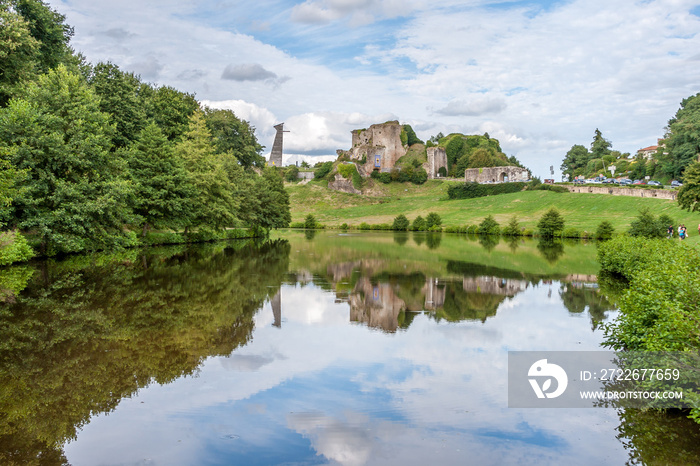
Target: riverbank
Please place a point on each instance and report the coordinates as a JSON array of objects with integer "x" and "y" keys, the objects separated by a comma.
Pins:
[{"x": 581, "y": 211}]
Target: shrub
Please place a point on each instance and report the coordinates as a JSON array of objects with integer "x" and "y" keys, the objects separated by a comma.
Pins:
[
  {"x": 605, "y": 231},
  {"x": 571, "y": 233},
  {"x": 385, "y": 178},
  {"x": 419, "y": 224},
  {"x": 323, "y": 170},
  {"x": 296, "y": 225},
  {"x": 363, "y": 226},
  {"x": 489, "y": 226},
  {"x": 346, "y": 170},
  {"x": 473, "y": 190},
  {"x": 472, "y": 229},
  {"x": 647, "y": 225},
  {"x": 344, "y": 226},
  {"x": 356, "y": 179},
  {"x": 528, "y": 232},
  {"x": 513, "y": 227},
  {"x": 420, "y": 176},
  {"x": 14, "y": 248},
  {"x": 380, "y": 226},
  {"x": 452, "y": 229},
  {"x": 401, "y": 223},
  {"x": 291, "y": 173},
  {"x": 432, "y": 220},
  {"x": 310, "y": 222},
  {"x": 551, "y": 224}
]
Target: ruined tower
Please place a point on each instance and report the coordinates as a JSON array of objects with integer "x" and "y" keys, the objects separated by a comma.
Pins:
[{"x": 276, "y": 154}]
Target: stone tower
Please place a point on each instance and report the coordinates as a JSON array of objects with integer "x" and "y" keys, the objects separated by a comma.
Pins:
[{"x": 276, "y": 154}]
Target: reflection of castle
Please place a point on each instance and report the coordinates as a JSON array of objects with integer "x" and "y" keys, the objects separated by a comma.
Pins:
[{"x": 494, "y": 285}]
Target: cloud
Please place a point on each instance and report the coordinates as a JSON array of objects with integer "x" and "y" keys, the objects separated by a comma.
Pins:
[
  {"x": 117, "y": 33},
  {"x": 359, "y": 12},
  {"x": 148, "y": 68},
  {"x": 247, "y": 72},
  {"x": 191, "y": 75},
  {"x": 473, "y": 108}
]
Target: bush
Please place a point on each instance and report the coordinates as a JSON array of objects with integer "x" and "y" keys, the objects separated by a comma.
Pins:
[
  {"x": 648, "y": 226},
  {"x": 401, "y": 223},
  {"x": 346, "y": 170},
  {"x": 472, "y": 229},
  {"x": 323, "y": 170},
  {"x": 432, "y": 220},
  {"x": 473, "y": 190},
  {"x": 571, "y": 233},
  {"x": 380, "y": 226},
  {"x": 14, "y": 248},
  {"x": 344, "y": 226},
  {"x": 419, "y": 224},
  {"x": 291, "y": 173},
  {"x": 489, "y": 226},
  {"x": 296, "y": 225},
  {"x": 363, "y": 226},
  {"x": 605, "y": 231},
  {"x": 420, "y": 176},
  {"x": 551, "y": 224},
  {"x": 513, "y": 227},
  {"x": 310, "y": 222}
]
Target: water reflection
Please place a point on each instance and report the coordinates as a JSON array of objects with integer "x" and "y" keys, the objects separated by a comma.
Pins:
[{"x": 353, "y": 349}]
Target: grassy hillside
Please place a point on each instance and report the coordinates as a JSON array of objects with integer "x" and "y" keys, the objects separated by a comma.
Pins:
[{"x": 581, "y": 211}]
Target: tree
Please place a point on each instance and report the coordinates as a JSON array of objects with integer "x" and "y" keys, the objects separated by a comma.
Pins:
[
  {"x": 432, "y": 220},
  {"x": 418, "y": 224},
  {"x": 214, "y": 204},
  {"x": 605, "y": 231},
  {"x": 648, "y": 226},
  {"x": 119, "y": 97},
  {"x": 50, "y": 31},
  {"x": 682, "y": 138},
  {"x": 489, "y": 226},
  {"x": 575, "y": 161},
  {"x": 234, "y": 135},
  {"x": 272, "y": 209},
  {"x": 411, "y": 137},
  {"x": 18, "y": 52},
  {"x": 168, "y": 108},
  {"x": 74, "y": 195},
  {"x": 310, "y": 222},
  {"x": 305, "y": 164},
  {"x": 689, "y": 194},
  {"x": 163, "y": 193},
  {"x": 291, "y": 174},
  {"x": 513, "y": 227},
  {"x": 551, "y": 224},
  {"x": 600, "y": 146},
  {"x": 401, "y": 223}
]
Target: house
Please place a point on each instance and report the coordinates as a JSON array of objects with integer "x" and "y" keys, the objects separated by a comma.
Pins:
[{"x": 649, "y": 152}]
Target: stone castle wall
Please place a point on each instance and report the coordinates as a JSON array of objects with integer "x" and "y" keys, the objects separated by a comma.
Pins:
[
  {"x": 636, "y": 192},
  {"x": 437, "y": 157},
  {"x": 380, "y": 140},
  {"x": 495, "y": 174}
]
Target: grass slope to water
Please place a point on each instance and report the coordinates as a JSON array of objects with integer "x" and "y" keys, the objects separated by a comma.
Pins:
[{"x": 581, "y": 211}]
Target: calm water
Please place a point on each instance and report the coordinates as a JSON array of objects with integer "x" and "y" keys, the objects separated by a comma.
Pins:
[{"x": 326, "y": 348}]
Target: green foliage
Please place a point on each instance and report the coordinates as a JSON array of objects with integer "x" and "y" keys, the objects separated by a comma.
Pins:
[
  {"x": 235, "y": 136},
  {"x": 291, "y": 173},
  {"x": 266, "y": 204},
  {"x": 169, "y": 108},
  {"x": 419, "y": 224},
  {"x": 600, "y": 146},
  {"x": 14, "y": 248},
  {"x": 605, "y": 231},
  {"x": 363, "y": 226},
  {"x": 411, "y": 137},
  {"x": 648, "y": 226},
  {"x": 575, "y": 161},
  {"x": 682, "y": 139},
  {"x": 689, "y": 194},
  {"x": 442, "y": 172},
  {"x": 419, "y": 176},
  {"x": 18, "y": 53},
  {"x": 472, "y": 190},
  {"x": 50, "y": 31},
  {"x": 357, "y": 180},
  {"x": 346, "y": 170},
  {"x": 163, "y": 193},
  {"x": 513, "y": 227},
  {"x": 74, "y": 196},
  {"x": 323, "y": 170},
  {"x": 551, "y": 224},
  {"x": 310, "y": 222},
  {"x": 432, "y": 220},
  {"x": 401, "y": 223},
  {"x": 119, "y": 97},
  {"x": 571, "y": 233},
  {"x": 489, "y": 226}
]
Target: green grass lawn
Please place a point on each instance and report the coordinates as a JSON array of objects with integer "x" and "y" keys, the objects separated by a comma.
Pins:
[{"x": 581, "y": 211}]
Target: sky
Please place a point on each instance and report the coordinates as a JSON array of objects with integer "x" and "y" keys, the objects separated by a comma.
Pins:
[{"x": 540, "y": 76}]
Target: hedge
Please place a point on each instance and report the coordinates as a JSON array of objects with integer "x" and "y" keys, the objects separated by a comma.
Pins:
[{"x": 472, "y": 190}]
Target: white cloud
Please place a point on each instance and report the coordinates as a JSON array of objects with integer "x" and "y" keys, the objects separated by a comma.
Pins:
[
  {"x": 247, "y": 72},
  {"x": 476, "y": 107}
]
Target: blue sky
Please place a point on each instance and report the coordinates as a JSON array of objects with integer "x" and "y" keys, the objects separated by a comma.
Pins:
[{"x": 540, "y": 76}]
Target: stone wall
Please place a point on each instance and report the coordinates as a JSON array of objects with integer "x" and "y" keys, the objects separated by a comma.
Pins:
[
  {"x": 341, "y": 184},
  {"x": 636, "y": 192},
  {"x": 380, "y": 142},
  {"x": 305, "y": 175},
  {"x": 437, "y": 157},
  {"x": 495, "y": 174}
]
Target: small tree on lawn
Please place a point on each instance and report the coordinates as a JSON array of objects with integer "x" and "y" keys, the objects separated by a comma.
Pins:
[
  {"x": 551, "y": 224},
  {"x": 401, "y": 223},
  {"x": 489, "y": 226}
]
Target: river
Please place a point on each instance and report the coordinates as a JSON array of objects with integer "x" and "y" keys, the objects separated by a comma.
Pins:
[{"x": 321, "y": 347}]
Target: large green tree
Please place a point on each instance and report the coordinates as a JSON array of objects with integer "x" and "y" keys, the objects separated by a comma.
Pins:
[
  {"x": 234, "y": 135},
  {"x": 689, "y": 194},
  {"x": 119, "y": 97},
  {"x": 74, "y": 196},
  {"x": 575, "y": 161},
  {"x": 600, "y": 146},
  {"x": 168, "y": 108},
  {"x": 163, "y": 193},
  {"x": 267, "y": 206},
  {"x": 214, "y": 204},
  {"x": 18, "y": 52},
  {"x": 682, "y": 138},
  {"x": 48, "y": 27}
]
